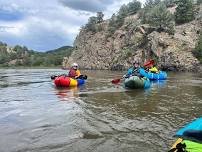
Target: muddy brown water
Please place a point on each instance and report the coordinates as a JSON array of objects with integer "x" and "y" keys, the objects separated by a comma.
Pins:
[{"x": 96, "y": 117}]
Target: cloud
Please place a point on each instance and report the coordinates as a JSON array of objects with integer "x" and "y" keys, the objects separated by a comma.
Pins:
[
  {"x": 40, "y": 34},
  {"x": 5, "y": 28},
  {"x": 87, "y": 5},
  {"x": 10, "y": 13},
  {"x": 45, "y": 27},
  {"x": 49, "y": 24}
]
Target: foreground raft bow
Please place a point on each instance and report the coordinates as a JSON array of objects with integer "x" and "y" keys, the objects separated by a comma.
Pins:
[{"x": 190, "y": 138}]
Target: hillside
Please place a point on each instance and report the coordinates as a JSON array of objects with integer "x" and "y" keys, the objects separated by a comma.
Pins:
[
  {"x": 104, "y": 45},
  {"x": 21, "y": 56}
]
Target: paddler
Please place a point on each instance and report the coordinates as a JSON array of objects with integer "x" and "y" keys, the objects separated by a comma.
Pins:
[
  {"x": 74, "y": 72},
  {"x": 134, "y": 70},
  {"x": 153, "y": 68}
]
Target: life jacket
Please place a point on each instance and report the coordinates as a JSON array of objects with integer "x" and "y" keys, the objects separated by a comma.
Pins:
[
  {"x": 187, "y": 146},
  {"x": 72, "y": 73},
  {"x": 154, "y": 70}
]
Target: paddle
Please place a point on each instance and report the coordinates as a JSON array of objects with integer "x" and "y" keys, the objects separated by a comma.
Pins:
[
  {"x": 148, "y": 63},
  {"x": 84, "y": 77},
  {"x": 116, "y": 81},
  {"x": 54, "y": 76}
]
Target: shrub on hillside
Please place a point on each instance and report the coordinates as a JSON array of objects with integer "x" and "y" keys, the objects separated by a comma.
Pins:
[
  {"x": 160, "y": 18},
  {"x": 169, "y": 3},
  {"x": 184, "y": 11},
  {"x": 148, "y": 6},
  {"x": 116, "y": 21},
  {"x": 133, "y": 7},
  {"x": 93, "y": 20},
  {"x": 199, "y": 2},
  {"x": 198, "y": 50}
]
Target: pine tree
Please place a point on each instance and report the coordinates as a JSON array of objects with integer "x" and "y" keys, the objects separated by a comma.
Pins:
[
  {"x": 114, "y": 23},
  {"x": 91, "y": 24},
  {"x": 169, "y": 3},
  {"x": 148, "y": 6},
  {"x": 133, "y": 7},
  {"x": 123, "y": 11},
  {"x": 161, "y": 18},
  {"x": 198, "y": 50},
  {"x": 100, "y": 16},
  {"x": 184, "y": 11},
  {"x": 199, "y": 2},
  {"x": 151, "y": 3}
]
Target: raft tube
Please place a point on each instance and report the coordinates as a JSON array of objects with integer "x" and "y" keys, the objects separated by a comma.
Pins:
[
  {"x": 194, "y": 125},
  {"x": 134, "y": 82},
  {"x": 191, "y": 136},
  {"x": 153, "y": 76},
  {"x": 63, "y": 81}
]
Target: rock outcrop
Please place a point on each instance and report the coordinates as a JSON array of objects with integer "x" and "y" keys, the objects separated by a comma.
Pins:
[{"x": 134, "y": 41}]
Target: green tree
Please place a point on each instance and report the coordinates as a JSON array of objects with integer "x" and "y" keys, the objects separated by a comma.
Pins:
[
  {"x": 117, "y": 21},
  {"x": 112, "y": 26},
  {"x": 123, "y": 11},
  {"x": 91, "y": 24},
  {"x": 169, "y": 3},
  {"x": 161, "y": 18},
  {"x": 100, "y": 16},
  {"x": 184, "y": 11},
  {"x": 151, "y": 3},
  {"x": 198, "y": 50},
  {"x": 199, "y": 2},
  {"x": 148, "y": 6},
  {"x": 133, "y": 7}
]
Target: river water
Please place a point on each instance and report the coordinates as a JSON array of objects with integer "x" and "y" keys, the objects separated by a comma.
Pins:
[{"x": 96, "y": 117}]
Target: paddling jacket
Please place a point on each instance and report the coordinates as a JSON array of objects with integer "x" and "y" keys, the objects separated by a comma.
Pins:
[
  {"x": 133, "y": 71},
  {"x": 74, "y": 73}
]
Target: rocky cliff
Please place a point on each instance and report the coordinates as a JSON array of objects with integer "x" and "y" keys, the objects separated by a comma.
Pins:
[{"x": 134, "y": 41}]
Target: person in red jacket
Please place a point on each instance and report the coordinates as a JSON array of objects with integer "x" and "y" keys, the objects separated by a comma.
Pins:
[{"x": 74, "y": 72}]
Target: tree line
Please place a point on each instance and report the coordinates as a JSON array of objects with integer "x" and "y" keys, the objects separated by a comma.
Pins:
[{"x": 22, "y": 56}]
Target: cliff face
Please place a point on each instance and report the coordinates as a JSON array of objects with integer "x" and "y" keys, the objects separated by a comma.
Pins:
[{"x": 134, "y": 41}]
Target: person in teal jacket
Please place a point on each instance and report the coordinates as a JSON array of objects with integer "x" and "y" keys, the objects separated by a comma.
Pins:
[{"x": 134, "y": 70}]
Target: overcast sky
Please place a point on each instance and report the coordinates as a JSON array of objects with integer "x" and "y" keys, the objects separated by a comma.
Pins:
[{"x": 48, "y": 24}]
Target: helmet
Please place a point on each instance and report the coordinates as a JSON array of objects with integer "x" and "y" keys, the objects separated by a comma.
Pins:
[{"x": 74, "y": 65}]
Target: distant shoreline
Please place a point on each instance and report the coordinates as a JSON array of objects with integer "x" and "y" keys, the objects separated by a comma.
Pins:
[{"x": 35, "y": 67}]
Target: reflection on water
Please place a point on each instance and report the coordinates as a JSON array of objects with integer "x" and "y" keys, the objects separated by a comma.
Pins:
[
  {"x": 98, "y": 116},
  {"x": 65, "y": 93}
]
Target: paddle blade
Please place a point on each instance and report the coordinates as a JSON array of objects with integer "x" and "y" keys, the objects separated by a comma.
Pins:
[
  {"x": 84, "y": 77},
  {"x": 148, "y": 63},
  {"x": 53, "y": 77},
  {"x": 115, "y": 81}
]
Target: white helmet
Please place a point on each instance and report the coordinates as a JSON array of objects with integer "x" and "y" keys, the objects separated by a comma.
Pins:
[{"x": 74, "y": 65}]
